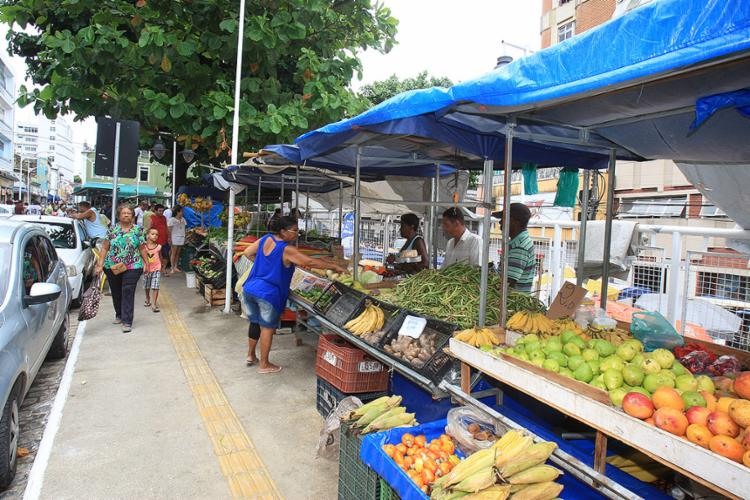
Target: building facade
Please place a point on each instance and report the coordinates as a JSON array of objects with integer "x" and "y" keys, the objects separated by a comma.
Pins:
[{"x": 7, "y": 107}]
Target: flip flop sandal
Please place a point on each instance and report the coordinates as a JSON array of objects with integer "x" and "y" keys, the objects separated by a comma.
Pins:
[
  {"x": 264, "y": 371},
  {"x": 147, "y": 304},
  {"x": 156, "y": 309},
  {"x": 250, "y": 362}
]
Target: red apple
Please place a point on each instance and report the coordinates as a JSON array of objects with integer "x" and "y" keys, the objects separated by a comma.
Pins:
[
  {"x": 698, "y": 415},
  {"x": 637, "y": 405}
]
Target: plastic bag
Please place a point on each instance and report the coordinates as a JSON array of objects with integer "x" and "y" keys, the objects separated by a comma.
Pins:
[
  {"x": 458, "y": 427},
  {"x": 654, "y": 331},
  {"x": 328, "y": 442}
]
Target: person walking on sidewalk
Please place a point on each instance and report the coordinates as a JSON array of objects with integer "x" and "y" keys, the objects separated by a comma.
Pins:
[
  {"x": 267, "y": 287},
  {"x": 177, "y": 226},
  {"x": 152, "y": 270},
  {"x": 159, "y": 222},
  {"x": 122, "y": 256}
]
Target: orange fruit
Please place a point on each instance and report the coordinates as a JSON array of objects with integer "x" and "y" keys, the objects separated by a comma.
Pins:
[
  {"x": 407, "y": 440},
  {"x": 420, "y": 441}
]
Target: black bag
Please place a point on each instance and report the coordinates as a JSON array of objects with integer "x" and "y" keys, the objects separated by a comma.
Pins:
[{"x": 90, "y": 303}]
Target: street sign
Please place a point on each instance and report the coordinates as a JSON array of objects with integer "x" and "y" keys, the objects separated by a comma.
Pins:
[{"x": 104, "y": 164}]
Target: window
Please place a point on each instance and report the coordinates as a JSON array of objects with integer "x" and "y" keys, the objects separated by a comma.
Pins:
[
  {"x": 32, "y": 267},
  {"x": 51, "y": 147},
  {"x": 31, "y": 130},
  {"x": 52, "y": 129},
  {"x": 30, "y": 148},
  {"x": 565, "y": 31},
  {"x": 28, "y": 138},
  {"x": 48, "y": 256},
  {"x": 652, "y": 207},
  {"x": 143, "y": 173},
  {"x": 52, "y": 138},
  {"x": 712, "y": 211},
  {"x": 62, "y": 235}
]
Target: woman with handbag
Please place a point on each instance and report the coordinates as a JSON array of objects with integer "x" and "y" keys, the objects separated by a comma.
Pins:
[{"x": 122, "y": 256}]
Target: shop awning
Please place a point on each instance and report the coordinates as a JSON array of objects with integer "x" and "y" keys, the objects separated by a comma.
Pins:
[{"x": 125, "y": 190}]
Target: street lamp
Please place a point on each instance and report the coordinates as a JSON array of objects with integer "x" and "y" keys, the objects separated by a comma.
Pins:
[
  {"x": 188, "y": 155},
  {"x": 159, "y": 150}
]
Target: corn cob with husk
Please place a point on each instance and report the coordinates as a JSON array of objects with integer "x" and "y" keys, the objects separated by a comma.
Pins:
[
  {"x": 494, "y": 492},
  {"x": 536, "y": 454},
  {"x": 478, "y": 481},
  {"x": 539, "y": 491},
  {"x": 390, "y": 422},
  {"x": 359, "y": 412},
  {"x": 439, "y": 493},
  {"x": 368, "y": 413},
  {"x": 482, "y": 459},
  {"x": 513, "y": 449},
  {"x": 398, "y": 410},
  {"x": 536, "y": 474}
]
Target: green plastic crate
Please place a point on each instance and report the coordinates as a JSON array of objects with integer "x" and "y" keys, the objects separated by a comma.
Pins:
[
  {"x": 386, "y": 492},
  {"x": 356, "y": 480}
]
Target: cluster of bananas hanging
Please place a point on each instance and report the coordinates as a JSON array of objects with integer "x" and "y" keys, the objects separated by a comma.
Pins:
[
  {"x": 514, "y": 465},
  {"x": 183, "y": 200},
  {"x": 615, "y": 336},
  {"x": 477, "y": 337},
  {"x": 381, "y": 414},
  {"x": 532, "y": 322},
  {"x": 200, "y": 204},
  {"x": 567, "y": 324},
  {"x": 371, "y": 320}
]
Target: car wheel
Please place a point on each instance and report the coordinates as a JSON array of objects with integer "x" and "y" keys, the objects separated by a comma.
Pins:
[
  {"x": 9, "y": 431},
  {"x": 76, "y": 303},
  {"x": 59, "y": 347}
]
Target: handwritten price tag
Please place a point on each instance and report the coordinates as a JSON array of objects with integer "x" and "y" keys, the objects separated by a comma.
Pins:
[
  {"x": 413, "y": 327},
  {"x": 330, "y": 357},
  {"x": 567, "y": 301}
]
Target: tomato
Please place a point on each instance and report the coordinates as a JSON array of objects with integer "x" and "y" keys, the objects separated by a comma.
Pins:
[
  {"x": 401, "y": 448},
  {"x": 428, "y": 476},
  {"x": 420, "y": 441}
]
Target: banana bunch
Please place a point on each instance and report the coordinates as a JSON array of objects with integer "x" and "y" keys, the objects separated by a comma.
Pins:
[
  {"x": 515, "y": 461},
  {"x": 477, "y": 337},
  {"x": 183, "y": 200},
  {"x": 381, "y": 414},
  {"x": 567, "y": 324},
  {"x": 371, "y": 320},
  {"x": 532, "y": 322},
  {"x": 616, "y": 336}
]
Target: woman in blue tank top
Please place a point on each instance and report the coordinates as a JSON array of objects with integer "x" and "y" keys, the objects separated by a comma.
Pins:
[{"x": 267, "y": 286}]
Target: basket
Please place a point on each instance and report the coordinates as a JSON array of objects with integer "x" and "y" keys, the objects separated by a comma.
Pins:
[
  {"x": 339, "y": 302},
  {"x": 356, "y": 480},
  {"x": 348, "y": 368},
  {"x": 394, "y": 317},
  {"x": 329, "y": 397},
  {"x": 386, "y": 492}
]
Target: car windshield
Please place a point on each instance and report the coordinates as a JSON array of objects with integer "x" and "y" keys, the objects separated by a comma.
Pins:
[
  {"x": 4, "y": 269},
  {"x": 62, "y": 235}
]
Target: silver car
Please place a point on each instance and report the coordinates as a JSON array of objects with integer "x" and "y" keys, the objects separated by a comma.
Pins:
[{"x": 34, "y": 301}]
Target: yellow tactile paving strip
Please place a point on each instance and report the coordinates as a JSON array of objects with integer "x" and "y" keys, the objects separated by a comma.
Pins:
[{"x": 239, "y": 460}]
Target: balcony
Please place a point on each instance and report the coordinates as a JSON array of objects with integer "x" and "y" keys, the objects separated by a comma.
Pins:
[{"x": 6, "y": 98}]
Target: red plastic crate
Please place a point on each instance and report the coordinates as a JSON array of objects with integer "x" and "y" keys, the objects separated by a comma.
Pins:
[
  {"x": 288, "y": 315},
  {"x": 348, "y": 368}
]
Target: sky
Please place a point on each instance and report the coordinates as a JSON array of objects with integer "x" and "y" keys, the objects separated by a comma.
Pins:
[{"x": 457, "y": 39}]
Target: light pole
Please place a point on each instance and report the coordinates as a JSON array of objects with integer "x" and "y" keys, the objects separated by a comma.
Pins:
[{"x": 159, "y": 150}]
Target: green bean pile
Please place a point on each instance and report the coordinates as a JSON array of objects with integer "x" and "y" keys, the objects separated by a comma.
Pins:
[{"x": 452, "y": 294}]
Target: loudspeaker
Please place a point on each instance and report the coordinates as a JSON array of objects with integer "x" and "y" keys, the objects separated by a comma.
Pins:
[{"x": 104, "y": 163}]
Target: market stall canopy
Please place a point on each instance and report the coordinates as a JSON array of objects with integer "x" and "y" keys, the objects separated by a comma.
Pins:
[
  {"x": 309, "y": 180},
  {"x": 576, "y": 101}
]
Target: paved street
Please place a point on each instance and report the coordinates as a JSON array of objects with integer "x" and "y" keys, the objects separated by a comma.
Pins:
[{"x": 35, "y": 413}]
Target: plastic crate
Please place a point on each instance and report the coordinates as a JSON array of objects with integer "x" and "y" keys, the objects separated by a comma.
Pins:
[
  {"x": 394, "y": 317},
  {"x": 329, "y": 397},
  {"x": 348, "y": 368},
  {"x": 386, "y": 492},
  {"x": 357, "y": 481}
]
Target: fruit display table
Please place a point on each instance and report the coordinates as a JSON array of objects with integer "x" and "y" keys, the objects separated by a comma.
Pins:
[{"x": 716, "y": 472}]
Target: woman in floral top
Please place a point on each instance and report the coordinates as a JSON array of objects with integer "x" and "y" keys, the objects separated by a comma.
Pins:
[{"x": 122, "y": 256}]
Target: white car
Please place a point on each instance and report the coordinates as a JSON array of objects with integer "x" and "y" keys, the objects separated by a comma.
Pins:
[{"x": 73, "y": 246}]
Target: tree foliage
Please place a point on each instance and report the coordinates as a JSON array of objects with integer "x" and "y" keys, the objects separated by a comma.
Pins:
[
  {"x": 377, "y": 92},
  {"x": 171, "y": 64}
]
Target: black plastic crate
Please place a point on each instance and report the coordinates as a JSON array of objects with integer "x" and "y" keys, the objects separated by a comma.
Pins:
[
  {"x": 356, "y": 480},
  {"x": 439, "y": 363},
  {"x": 394, "y": 317},
  {"x": 329, "y": 397},
  {"x": 343, "y": 302}
]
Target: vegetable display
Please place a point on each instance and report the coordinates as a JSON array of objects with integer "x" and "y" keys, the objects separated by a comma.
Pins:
[
  {"x": 452, "y": 294},
  {"x": 416, "y": 352},
  {"x": 424, "y": 462},
  {"x": 381, "y": 414}
]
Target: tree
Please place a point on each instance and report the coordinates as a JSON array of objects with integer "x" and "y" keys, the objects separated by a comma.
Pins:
[
  {"x": 377, "y": 92},
  {"x": 77, "y": 179},
  {"x": 171, "y": 64}
]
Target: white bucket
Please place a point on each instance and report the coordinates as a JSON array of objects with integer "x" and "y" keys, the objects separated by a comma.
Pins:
[{"x": 190, "y": 280}]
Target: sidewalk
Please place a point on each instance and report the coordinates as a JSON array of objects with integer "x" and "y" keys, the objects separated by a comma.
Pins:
[{"x": 171, "y": 411}]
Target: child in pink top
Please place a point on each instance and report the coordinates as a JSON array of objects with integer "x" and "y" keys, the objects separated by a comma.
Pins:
[{"x": 152, "y": 268}]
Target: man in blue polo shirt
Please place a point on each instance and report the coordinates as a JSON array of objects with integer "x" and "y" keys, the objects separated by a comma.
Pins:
[{"x": 521, "y": 258}]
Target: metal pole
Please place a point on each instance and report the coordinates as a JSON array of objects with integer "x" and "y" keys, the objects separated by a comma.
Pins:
[
  {"x": 608, "y": 228},
  {"x": 386, "y": 238},
  {"x": 235, "y": 146},
  {"x": 257, "y": 226},
  {"x": 341, "y": 209},
  {"x": 435, "y": 232},
  {"x": 282, "y": 194},
  {"x": 488, "y": 168},
  {"x": 296, "y": 192},
  {"x": 174, "y": 173},
  {"x": 674, "y": 279},
  {"x": 116, "y": 172},
  {"x": 582, "y": 232},
  {"x": 357, "y": 216},
  {"x": 507, "y": 174},
  {"x": 307, "y": 212}
]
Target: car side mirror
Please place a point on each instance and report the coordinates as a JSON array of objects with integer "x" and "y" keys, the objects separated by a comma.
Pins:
[
  {"x": 42, "y": 293},
  {"x": 87, "y": 244}
]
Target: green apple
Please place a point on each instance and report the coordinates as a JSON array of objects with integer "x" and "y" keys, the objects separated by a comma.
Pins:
[
  {"x": 605, "y": 348},
  {"x": 613, "y": 379},
  {"x": 567, "y": 336},
  {"x": 626, "y": 351},
  {"x": 705, "y": 383},
  {"x": 664, "y": 357},
  {"x": 651, "y": 366},
  {"x": 638, "y": 360},
  {"x": 693, "y": 398},
  {"x": 653, "y": 381},
  {"x": 584, "y": 373},
  {"x": 530, "y": 347},
  {"x": 617, "y": 395},
  {"x": 640, "y": 390},
  {"x": 590, "y": 354},
  {"x": 551, "y": 365},
  {"x": 575, "y": 361},
  {"x": 686, "y": 383},
  {"x": 599, "y": 384},
  {"x": 561, "y": 358},
  {"x": 633, "y": 375},
  {"x": 566, "y": 372},
  {"x": 572, "y": 349},
  {"x": 594, "y": 364},
  {"x": 635, "y": 343},
  {"x": 531, "y": 337},
  {"x": 678, "y": 369},
  {"x": 614, "y": 361},
  {"x": 579, "y": 342}
]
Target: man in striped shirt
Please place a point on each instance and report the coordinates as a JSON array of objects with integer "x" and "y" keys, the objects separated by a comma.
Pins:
[{"x": 521, "y": 258}]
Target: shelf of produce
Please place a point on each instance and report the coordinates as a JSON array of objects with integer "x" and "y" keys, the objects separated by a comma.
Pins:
[
  {"x": 376, "y": 353},
  {"x": 706, "y": 467}
]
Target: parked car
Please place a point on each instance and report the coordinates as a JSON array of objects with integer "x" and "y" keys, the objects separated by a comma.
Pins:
[
  {"x": 34, "y": 301},
  {"x": 73, "y": 246}
]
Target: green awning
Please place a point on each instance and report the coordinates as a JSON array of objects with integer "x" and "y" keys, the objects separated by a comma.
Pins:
[{"x": 122, "y": 189}]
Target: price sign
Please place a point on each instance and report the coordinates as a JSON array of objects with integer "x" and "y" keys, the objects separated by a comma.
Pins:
[
  {"x": 567, "y": 301},
  {"x": 413, "y": 327},
  {"x": 370, "y": 367},
  {"x": 330, "y": 358}
]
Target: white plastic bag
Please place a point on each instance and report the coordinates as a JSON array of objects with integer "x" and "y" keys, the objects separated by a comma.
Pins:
[
  {"x": 328, "y": 443},
  {"x": 461, "y": 419}
]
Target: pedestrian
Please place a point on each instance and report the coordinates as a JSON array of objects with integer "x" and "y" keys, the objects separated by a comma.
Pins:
[
  {"x": 159, "y": 222},
  {"x": 152, "y": 270},
  {"x": 267, "y": 288},
  {"x": 177, "y": 227},
  {"x": 271, "y": 220},
  {"x": 463, "y": 245},
  {"x": 150, "y": 210},
  {"x": 91, "y": 219},
  {"x": 521, "y": 256},
  {"x": 121, "y": 259},
  {"x": 140, "y": 210}
]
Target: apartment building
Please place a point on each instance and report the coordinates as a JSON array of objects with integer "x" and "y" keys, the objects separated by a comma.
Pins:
[
  {"x": 7, "y": 105},
  {"x": 51, "y": 143}
]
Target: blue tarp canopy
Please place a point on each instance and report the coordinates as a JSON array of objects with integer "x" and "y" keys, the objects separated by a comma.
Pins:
[
  {"x": 631, "y": 85},
  {"x": 376, "y": 162}
]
